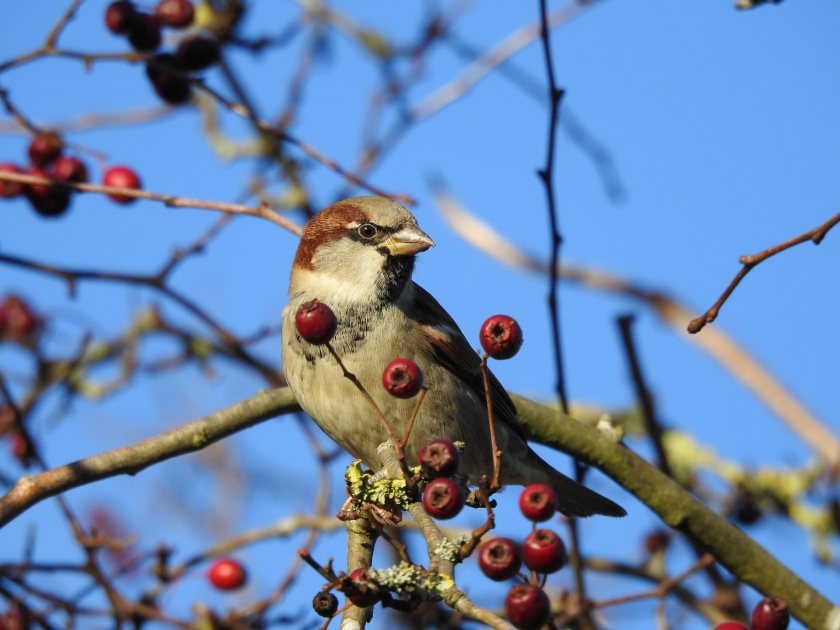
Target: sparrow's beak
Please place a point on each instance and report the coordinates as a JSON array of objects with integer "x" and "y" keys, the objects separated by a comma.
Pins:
[{"x": 407, "y": 241}]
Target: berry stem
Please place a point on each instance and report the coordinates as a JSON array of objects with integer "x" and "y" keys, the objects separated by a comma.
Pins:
[
  {"x": 413, "y": 417},
  {"x": 389, "y": 430},
  {"x": 495, "y": 484}
]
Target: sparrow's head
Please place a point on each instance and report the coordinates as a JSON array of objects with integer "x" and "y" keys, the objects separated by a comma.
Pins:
[{"x": 358, "y": 249}]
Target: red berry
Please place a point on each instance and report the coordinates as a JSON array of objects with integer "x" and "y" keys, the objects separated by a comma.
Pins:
[
  {"x": 166, "y": 72},
  {"x": 402, "y": 378},
  {"x": 731, "y": 625},
  {"x": 771, "y": 613},
  {"x": 538, "y": 502},
  {"x": 14, "y": 619},
  {"x": 9, "y": 190},
  {"x": 20, "y": 321},
  {"x": 119, "y": 16},
  {"x": 315, "y": 322},
  {"x": 361, "y": 589},
  {"x": 439, "y": 458},
  {"x": 70, "y": 169},
  {"x": 499, "y": 559},
  {"x": 45, "y": 148},
  {"x": 198, "y": 52},
  {"x": 325, "y": 604},
  {"x": 175, "y": 13},
  {"x": 121, "y": 177},
  {"x": 544, "y": 551},
  {"x": 501, "y": 336},
  {"x": 144, "y": 32},
  {"x": 227, "y": 574},
  {"x": 527, "y": 606},
  {"x": 20, "y": 447},
  {"x": 443, "y": 498}
]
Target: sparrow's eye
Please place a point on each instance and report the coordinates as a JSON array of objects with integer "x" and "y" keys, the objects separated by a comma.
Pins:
[{"x": 367, "y": 230}]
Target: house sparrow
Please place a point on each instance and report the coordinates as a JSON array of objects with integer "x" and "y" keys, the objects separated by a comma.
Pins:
[{"x": 357, "y": 257}]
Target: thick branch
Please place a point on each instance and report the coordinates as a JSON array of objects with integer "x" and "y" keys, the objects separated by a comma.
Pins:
[
  {"x": 732, "y": 548},
  {"x": 130, "y": 460},
  {"x": 746, "y": 559}
]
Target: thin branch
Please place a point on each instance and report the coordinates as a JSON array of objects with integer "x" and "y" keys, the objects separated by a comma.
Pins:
[
  {"x": 263, "y": 211},
  {"x": 496, "y": 482},
  {"x": 389, "y": 430},
  {"x": 749, "y": 262}
]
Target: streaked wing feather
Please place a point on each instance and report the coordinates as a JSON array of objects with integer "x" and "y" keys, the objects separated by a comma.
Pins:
[{"x": 455, "y": 353}]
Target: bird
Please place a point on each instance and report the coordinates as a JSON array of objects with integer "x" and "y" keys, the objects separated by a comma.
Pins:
[{"x": 357, "y": 257}]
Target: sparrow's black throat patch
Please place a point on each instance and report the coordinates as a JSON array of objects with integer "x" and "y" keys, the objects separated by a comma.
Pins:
[{"x": 395, "y": 274}]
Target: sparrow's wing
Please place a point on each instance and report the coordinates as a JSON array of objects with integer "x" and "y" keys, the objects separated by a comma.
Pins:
[{"x": 455, "y": 353}]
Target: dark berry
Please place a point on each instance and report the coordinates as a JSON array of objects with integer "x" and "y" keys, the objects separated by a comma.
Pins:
[
  {"x": 47, "y": 200},
  {"x": 657, "y": 541},
  {"x": 70, "y": 169},
  {"x": 198, "y": 52},
  {"x": 120, "y": 16},
  {"x": 121, "y": 177},
  {"x": 227, "y": 574},
  {"x": 144, "y": 32},
  {"x": 499, "y": 559},
  {"x": 731, "y": 625},
  {"x": 45, "y": 148},
  {"x": 175, "y": 13},
  {"x": 21, "y": 449},
  {"x": 439, "y": 458},
  {"x": 501, "y": 336},
  {"x": 443, "y": 498},
  {"x": 402, "y": 378},
  {"x": 538, "y": 502},
  {"x": 9, "y": 190},
  {"x": 166, "y": 72},
  {"x": 544, "y": 551},
  {"x": 527, "y": 606},
  {"x": 361, "y": 589},
  {"x": 315, "y": 322},
  {"x": 20, "y": 322},
  {"x": 325, "y": 604},
  {"x": 771, "y": 613}
]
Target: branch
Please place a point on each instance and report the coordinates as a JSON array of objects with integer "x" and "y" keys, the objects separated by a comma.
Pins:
[
  {"x": 130, "y": 460},
  {"x": 743, "y": 557},
  {"x": 732, "y": 548},
  {"x": 748, "y": 262},
  {"x": 263, "y": 211}
]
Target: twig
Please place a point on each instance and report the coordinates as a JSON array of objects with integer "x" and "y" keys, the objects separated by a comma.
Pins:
[
  {"x": 420, "y": 397},
  {"x": 496, "y": 482},
  {"x": 652, "y": 424},
  {"x": 263, "y": 211},
  {"x": 749, "y": 262},
  {"x": 489, "y": 61}
]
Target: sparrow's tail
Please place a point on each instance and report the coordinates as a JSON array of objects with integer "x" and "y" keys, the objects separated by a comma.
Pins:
[{"x": 573, "y": 499}]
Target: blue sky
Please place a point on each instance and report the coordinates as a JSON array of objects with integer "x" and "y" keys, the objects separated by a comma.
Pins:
[{"x": 723, "y": 129}]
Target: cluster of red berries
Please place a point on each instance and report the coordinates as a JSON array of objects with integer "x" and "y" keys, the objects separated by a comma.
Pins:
[
  {"x": 227, "y": 574},
  {"x": 48, "y": 161},
  {"x": 771, "y": 613},
  {"x": 168, "y": 72},
  {"x": 543, "y": 551}
]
